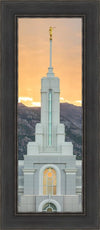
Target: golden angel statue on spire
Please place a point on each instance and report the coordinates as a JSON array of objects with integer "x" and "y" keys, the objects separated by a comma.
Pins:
[{"x": 50, "y": 32}]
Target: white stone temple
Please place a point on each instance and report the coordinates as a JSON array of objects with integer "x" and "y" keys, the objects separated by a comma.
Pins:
[{"x": 50, "y": 177}]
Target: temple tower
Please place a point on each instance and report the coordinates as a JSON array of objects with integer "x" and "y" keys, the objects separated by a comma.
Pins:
[{"x": 50, "y": 133}]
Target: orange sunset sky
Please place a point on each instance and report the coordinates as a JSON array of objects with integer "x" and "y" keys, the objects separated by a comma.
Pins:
[{"x": 33, "y": 58}]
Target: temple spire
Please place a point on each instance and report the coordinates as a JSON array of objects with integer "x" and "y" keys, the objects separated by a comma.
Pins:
[
  {"x": 50, "y": 32},
  {"x": 50, "y": 69}
]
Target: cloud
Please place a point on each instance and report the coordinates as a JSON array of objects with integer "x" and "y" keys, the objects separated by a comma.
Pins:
[
  {"x": 28, "y": 101},
  {"x": 79, "y": 101},
  {"x": 63, "y": 100},
  {"x": 24, "y": 99},
  {"x": 36, "y": 104}
]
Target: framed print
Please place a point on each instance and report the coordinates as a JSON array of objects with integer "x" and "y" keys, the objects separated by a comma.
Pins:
[
  {"x": 49, "y": 127},
  {"x": 50, "y": 120}
]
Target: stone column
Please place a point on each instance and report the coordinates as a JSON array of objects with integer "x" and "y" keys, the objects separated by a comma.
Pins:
[
  {"x": 29, "y": 181},
  {"x": 70, "y": 181}
]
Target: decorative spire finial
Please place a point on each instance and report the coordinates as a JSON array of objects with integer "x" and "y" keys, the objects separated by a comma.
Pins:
[
  {"x": 50, "y": 69},
  {"x": 50, "y": 32}
]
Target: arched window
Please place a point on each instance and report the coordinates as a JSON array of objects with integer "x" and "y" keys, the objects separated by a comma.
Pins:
[
  {"x": 49, "y": 207},
  {"x": 49, "y": 181}
]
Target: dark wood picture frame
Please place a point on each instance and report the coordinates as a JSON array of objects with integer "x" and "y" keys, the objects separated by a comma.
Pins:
[{"x": 88, "y": 10}]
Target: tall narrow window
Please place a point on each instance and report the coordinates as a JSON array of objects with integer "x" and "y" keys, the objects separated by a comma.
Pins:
[
  {"x": 49, "y": 182},
  {"x": 50, "y": 118}
]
